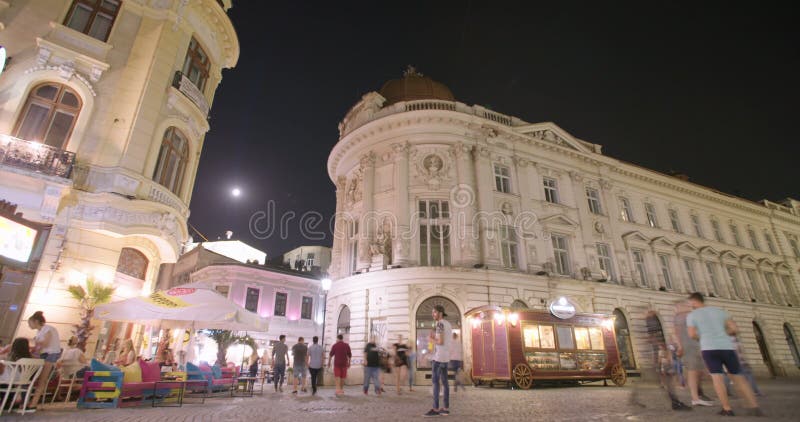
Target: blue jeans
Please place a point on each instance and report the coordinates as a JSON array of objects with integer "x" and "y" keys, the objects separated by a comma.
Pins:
[
  {"x": 455, "y": 366},
  {"x": 439, "y": 375},
  {"x": 372, "y": 373},
  {"x": 279, "y": 372}
]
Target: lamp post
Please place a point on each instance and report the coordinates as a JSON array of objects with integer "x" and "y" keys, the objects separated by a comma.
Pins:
[{"x": 326, "y": 285}]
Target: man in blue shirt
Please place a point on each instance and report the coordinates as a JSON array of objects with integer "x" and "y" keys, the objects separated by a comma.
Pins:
[{"x": 714, "y": 328}]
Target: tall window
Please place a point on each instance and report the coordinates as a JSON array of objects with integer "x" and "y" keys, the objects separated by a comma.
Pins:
[
  {"x": 733, "y": 278},
  {"x": 787, "y": 285},
  {"x": 735, "y": 234},
  {"x": 305, "y": 308},
  {"x": 605, "y": 260},
  {"x": 717, "y": 231},
  {"x": 310, "y": 259},
  {"x": 626, "y": 212},
  {"x": 352, "y": 245},
  {"x": 712, "y": 276},
  {"x": 434, "y": 233},
  {"x": 650, "y": 210},
  {"x": 172, "y": 159},
  {"x": 93, "y": 17},
  {"x": 773, "y": 289},
  {"x": 280, "y": 304},
  {"x": 770, "y": 243},
  {"x": 753, "y": 239},
  {"x": 561, "y": 254},
  {"x": 508, "y": 245},
  {"x": 49, "y": 115},
  {"x": 593, "y": 196},
  {"x": 550, "y": 190},
  {"x": 641, "y": 269},
  {"x": 251, "y": 301},
  {"x": 196, "y": 65},
  {"x": 676, "y": 222},
  {"x": 753, "y": 280},
  {"x": 698, "y": 228},
  {"x": 502, "y": 179},
  {"x": 793, "y": 245},
  {"x": 665, "y": 272},
  {"x": 689, "y": 266}
]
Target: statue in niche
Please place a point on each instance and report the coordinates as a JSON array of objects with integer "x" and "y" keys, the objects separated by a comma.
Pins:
[
  {"x": 433, "y": 166},
  {"x": 383, "y": 241}
]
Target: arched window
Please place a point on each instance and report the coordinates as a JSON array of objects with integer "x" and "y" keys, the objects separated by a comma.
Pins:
[
  {"x": 624, "y": 340},
  {"x": 133, "y": 263},
  {"x": 762, "y": 347},
  {"x": 343, "y": 323},
  {"x": 49, "y": 115},
  {"x": 172, "y": 159},
  {"x": 518, "y": 304},
  {"x": 787, "y": 330},
  {"x": 425, "y": 323}
]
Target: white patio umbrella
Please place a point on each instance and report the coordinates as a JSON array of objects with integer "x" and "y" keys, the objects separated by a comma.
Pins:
[{"x": 183, "y": 307}]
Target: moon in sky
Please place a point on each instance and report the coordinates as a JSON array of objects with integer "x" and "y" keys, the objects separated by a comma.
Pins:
[{"x": 236, "y": 192}]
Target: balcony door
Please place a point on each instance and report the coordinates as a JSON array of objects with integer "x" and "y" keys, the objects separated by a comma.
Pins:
[{"x": 49, "y": 115}]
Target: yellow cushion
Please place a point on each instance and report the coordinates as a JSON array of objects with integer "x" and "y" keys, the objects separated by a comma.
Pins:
[{"x": 132, "y": 373}]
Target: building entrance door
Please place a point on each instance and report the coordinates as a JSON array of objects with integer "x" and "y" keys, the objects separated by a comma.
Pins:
[
  {"x": 624, "y": 340},
  {"x": 424, "y": 325},
  {"x": 762, "y": 347}
]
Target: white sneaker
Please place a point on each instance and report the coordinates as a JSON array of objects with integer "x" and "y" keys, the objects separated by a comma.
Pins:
[{"x": 701, "y": 403}]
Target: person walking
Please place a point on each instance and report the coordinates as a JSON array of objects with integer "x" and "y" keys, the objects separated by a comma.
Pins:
[
  {"x": 340, "y": 356},
  {"x": 661, "y": 355},
  {"x": 456, "y": 363},
  {"x": 315, "y": 353},
  {"x": 412, "y": 364},
  {"x": 689, "y": 353},
  {"x": 747, "y": 371},
  {"x": 300, "y": 353},
  {"x": 441, "y": 337},
  {"x": 372, "y": 367},
  {"x": 280, "y": 357},
  {"x": 48, "y": 345},
  {"x": 714, "y": 328},
  {"x": 400, "y": 363}
]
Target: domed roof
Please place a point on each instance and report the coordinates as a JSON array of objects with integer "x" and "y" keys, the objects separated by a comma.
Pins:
[{"x": 414, "y": 86}]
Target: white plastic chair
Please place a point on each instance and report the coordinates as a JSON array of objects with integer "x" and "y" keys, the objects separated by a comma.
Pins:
[
  {"x": 21, "y": 380},
  {"x": 67, "y": 378}
]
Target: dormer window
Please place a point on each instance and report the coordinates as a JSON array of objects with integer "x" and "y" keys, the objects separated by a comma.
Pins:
[{"x": 93, "y": 17}]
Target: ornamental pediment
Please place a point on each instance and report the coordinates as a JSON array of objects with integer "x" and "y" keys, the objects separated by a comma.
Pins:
[
  {"x": 552, "y": 133},
  {"x": 635, "y": 236},
  {"x": 559, "y": 219}
]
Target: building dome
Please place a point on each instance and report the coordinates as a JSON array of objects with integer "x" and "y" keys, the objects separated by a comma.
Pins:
[{"x": 414, "y": 86}]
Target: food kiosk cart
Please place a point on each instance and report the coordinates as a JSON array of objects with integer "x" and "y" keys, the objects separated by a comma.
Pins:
[{"x": 521, "y": 345}]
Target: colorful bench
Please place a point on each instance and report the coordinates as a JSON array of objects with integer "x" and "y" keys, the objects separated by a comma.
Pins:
[{"x": 100, "y": 390}]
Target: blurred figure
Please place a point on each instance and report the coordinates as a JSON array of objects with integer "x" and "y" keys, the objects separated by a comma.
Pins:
[
  {"x": 658, "y": 347},
  {"x": 400, "y": 363},
  {"x": 689, "y": 352},
  {"x": 456, "y": 363}
]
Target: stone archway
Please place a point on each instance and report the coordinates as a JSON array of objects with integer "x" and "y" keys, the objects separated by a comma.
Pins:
[
  {"x": 762, "y": 347},
  {"x": 624, "y": 342},
  {"x": 790, "y": 339},
  {"x": 424, "y": 324},
  {"x": 343, "y": 323}
]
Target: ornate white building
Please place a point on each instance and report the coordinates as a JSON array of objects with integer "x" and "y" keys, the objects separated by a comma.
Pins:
[
  {"x": 439, "y": 202},
  {"x": 105, "y": 108}
]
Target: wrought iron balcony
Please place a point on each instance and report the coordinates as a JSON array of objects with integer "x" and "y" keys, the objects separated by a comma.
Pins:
[
  {"x": 187, "y": 88},
  {"x": 36, "y": 157}
]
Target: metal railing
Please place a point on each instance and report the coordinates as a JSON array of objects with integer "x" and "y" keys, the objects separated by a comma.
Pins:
[
  {"x": 188, "y": 88},
  {"x": 36, "y": 157}
]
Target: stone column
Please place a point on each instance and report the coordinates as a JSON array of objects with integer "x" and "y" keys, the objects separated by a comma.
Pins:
[
  {"x": 463, "y": 206},
  {"x": 339, "y": 230},
  {"x": 521, "y": 166},
  {"x": 367, "y": 224},
  {"x": 490, "y": 253},
  {"x": 401, "y": 245}
]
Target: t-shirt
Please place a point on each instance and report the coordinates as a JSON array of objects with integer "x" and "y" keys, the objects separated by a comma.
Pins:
[
  {"x": 49, "y": 335},
  {"x": 279, "y": 351},
  {"x": 682, "y": 332},
  {"x": 71, "y": 360},
  {"x": 441, "y": 352},
  {"x": 341, "y": 353},
  {"x": 710, "y": 324},
  {"x": 300, "y": 352},
  {"x": 373, "y": 355},
  {"x": 315, "y": 356}
]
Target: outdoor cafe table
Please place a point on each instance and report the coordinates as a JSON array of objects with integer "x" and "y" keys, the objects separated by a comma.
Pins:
[{"x": 244, "y": 386}]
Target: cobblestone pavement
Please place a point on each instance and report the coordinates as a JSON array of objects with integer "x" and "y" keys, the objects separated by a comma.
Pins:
[{"x": 591, "y": 402}]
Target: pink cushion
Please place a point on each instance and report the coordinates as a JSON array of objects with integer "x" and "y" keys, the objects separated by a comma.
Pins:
[
  {"x": 204, "y": 367},
  {"x": 223, "y": 381},
  {"x": 151, "y": 372},
  {"x": 130, "y": 388}
]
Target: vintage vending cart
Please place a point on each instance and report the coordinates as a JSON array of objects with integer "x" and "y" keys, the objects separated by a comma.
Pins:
[{"x": 520, "y": 345}]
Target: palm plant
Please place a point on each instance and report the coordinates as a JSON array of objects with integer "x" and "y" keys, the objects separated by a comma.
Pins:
[
  {"x": 94, "y": 294},
  {"x": 224, "y": 340}
]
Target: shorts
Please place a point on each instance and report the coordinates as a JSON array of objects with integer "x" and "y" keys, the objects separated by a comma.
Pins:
[
  {"x": 299, "y": 371},
  {"x": 340, "y": 371},
  {"x": 715, "y": 359},
  {"x": 50, "y": 357},
  {"x": 692, "y": 360}
]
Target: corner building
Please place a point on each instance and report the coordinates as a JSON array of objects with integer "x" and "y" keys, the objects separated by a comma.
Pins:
[
  {"x": 439, "y": 202},
  {"x": 104, "y": 110}
]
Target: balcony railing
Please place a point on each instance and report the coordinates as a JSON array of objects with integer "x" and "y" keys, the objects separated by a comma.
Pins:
[
  {"x": 36, "y": 157},
  {"x": 187, "y": 88}
]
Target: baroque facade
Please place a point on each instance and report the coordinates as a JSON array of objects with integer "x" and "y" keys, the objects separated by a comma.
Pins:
[
  {"x": 105, "y": 108},
  {"x": 439, "y": 202}
]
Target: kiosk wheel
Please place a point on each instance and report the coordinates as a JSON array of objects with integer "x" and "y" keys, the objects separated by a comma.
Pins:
[
  {"x": 523, "y": 376},
  {"x": 618, "y": 375}
]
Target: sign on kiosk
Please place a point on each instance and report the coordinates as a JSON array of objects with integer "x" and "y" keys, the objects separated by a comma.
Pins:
[
  {"x": 16, "y": 240},
  {"x": 562, "y": 308}
]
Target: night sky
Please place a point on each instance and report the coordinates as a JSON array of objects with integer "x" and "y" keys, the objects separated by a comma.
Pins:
[{"x": 708, "y": 90}]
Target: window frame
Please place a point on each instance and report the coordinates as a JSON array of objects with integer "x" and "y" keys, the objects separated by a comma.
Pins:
[
  {"x": 641, "y": 266},
  {"x": 96, "y": 7},
  {"x": 502, "y": 178},
  {"x": 509, "y": 247},
  {"x": 675, "y": 221},
  {"x": 550, "y": 190},
  {"x": 561, "y": 254},
  {"x": 698, "y": 227},
  {"x": 191, "y": 59},
  {"x": 626, "y": 210},
  {"x": 306, "y": 309},
  {"x": 605, "y": 258},
  {"x": 717, "y": 230},
  {"x": 426, "y": 225},
  {"x": 735, "y": 234},
  {"x": 751, "y": 233},
  {"x": 733, "y": 278},
  {"x": 593, "y": 200},
  {"x": 652, "y": 216},
  {"x": 666, "y": 271},
  {"x": 247, "y": 298},
  {"x": 285, "y": 297},
  {"x": 168, "y": 142},
  {"x": 711, "y": 270},
  {"x": 53, "y": 106},
  {"x": 770, "y": 243},
  {"x": 688, "y": 266}
]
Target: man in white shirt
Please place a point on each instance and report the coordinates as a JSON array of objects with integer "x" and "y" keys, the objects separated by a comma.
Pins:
[
  {"x": 456, "y": 362},
  {"x": 440, "y": 358}
]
